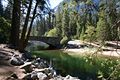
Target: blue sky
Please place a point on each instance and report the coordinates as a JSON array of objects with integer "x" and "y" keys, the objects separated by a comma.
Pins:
[{"x": 54, "y": 3}]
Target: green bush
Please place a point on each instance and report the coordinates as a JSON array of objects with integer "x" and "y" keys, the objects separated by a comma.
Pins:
[
  {"x": 64, "y": 40},
  {"x": 4, "y": 30},
  {"x": 52, "y": 33}
]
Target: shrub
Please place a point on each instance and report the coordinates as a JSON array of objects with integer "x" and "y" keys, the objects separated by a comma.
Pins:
[
  {"x": 64, "y": 41},
  {"x": 52, "y": 33}
]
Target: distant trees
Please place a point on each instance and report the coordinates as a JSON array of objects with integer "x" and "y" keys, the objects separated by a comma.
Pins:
[
  {"x": 112, "y": 17},
  {"x": 78, "y": 16},
  {"x": 59, "y": 22},
  {"x": 65, "y": 20},
  {"x": 4, "y": 25},
  {"x": 4, "y": 30},
  {"x": 103, "y": 29}
]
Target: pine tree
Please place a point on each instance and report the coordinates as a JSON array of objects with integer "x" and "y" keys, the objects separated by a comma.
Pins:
[
  {"x": 112, "y": 15},
  {"x": 72, "y": 23},
  {"x": 103, "y": 30},
  {"x": 59, "y": 21},
  {"x": 65, "y": 21}
]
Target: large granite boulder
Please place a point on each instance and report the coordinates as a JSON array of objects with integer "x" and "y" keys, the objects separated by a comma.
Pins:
[{"x": 36, "y": 45}]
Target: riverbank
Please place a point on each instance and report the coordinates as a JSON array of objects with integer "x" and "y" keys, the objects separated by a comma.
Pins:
[
  {"x": 111, "y": 48},
  {"x": 113, "y": 53}
]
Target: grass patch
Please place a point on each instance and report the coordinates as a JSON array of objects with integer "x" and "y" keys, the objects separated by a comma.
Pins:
[{"x": 84, "y": 67}]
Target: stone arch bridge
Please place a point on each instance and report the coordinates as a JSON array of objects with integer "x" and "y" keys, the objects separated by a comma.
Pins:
[{"x": 52, "y": 41}]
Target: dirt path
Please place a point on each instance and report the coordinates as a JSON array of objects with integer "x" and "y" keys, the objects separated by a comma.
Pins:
[
  {"x": 6, "y": 71},
  {"x": 5, "y": 68}
]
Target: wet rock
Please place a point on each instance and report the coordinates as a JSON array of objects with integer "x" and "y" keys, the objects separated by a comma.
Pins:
[
  {"x": 68, "y": 77},
  {"x": 42, "y": 76},
  {"x": 49, "y": 71},
  {"x": 27, "y": 67},
  {"x": 40, "y": 63},
  {"x": 36, "y": 76},
  {"x": 42, "y": 70},
  {"x": 16, "y": 61},
  {"x": 57, "y": 78},
  {"x": 50, "y": 75},
  {"x": 52, "y": 72}
]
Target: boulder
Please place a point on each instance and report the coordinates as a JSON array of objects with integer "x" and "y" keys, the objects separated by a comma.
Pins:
[
  {"x": 68, "y": 77},
  {"x": 40, "y": 63},
  {"x": 35, "y": 76},
  {"x": 16, "y": 61},
  {"x": 42, "y": 76},
  {"x": 36, "y": 45},
  {"x": 27, "y": 67}
]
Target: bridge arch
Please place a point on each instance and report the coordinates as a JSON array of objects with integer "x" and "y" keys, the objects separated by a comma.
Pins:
[{"x": 52, "y": 41}]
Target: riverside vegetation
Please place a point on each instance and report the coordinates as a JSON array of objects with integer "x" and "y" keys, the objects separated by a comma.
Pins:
[{"x": 85, "y": 67}]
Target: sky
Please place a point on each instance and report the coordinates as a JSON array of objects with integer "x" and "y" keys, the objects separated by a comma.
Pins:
[
  {"x": 4, "y": 3},
  {"x": 54, "y": 3}
]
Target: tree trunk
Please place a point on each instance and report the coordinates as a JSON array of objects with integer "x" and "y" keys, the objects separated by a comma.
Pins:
[
  {"x": 28, "y": 34},
  {"x": 22, "y": 40},
  {"x": 14, "y": 36},
  {"x": 26, "y": 21},
  {"x": 49, "y": 20}
]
